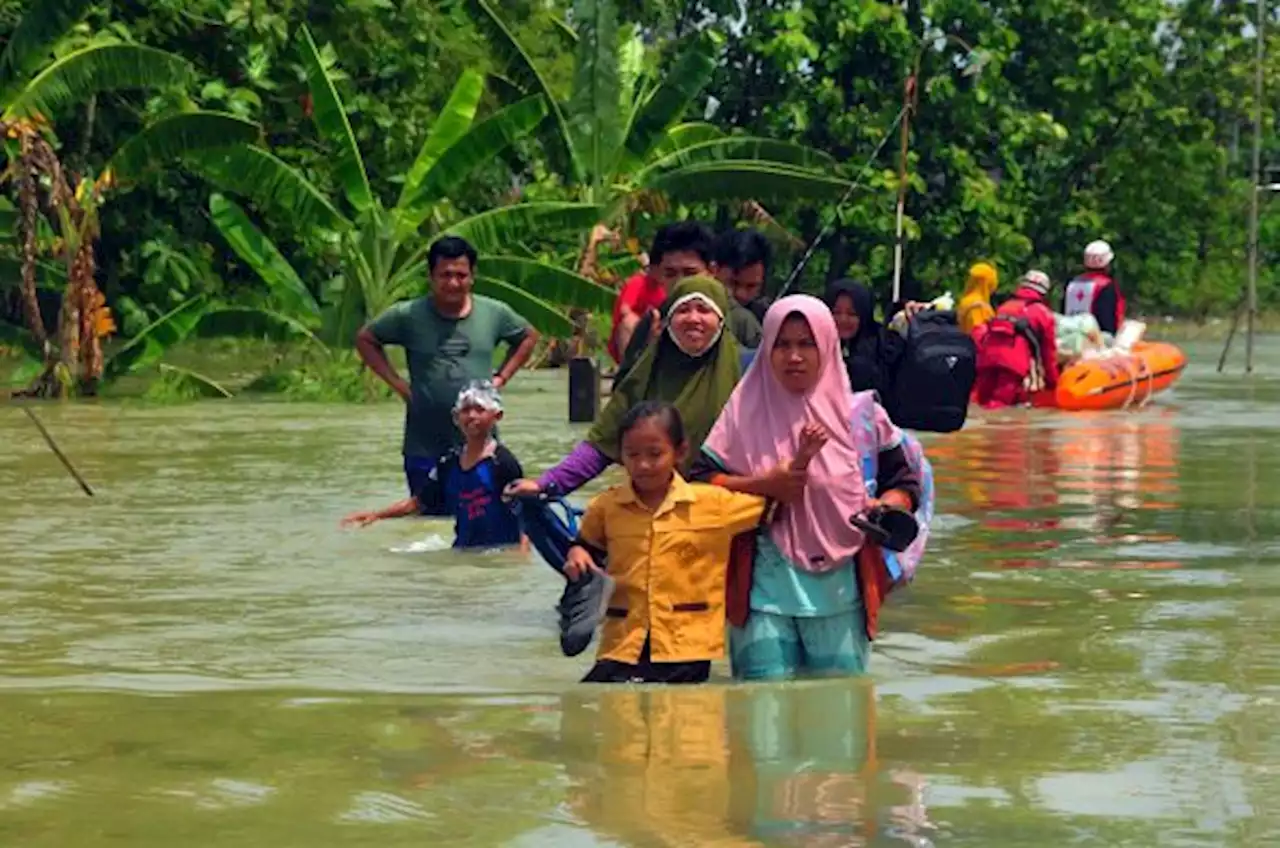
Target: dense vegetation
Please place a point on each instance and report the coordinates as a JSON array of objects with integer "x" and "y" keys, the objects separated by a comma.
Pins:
[{"x": 287, "y": 161}]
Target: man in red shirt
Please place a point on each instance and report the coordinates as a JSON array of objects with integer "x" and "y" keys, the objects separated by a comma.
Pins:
[{"x": 679, "y": 250}]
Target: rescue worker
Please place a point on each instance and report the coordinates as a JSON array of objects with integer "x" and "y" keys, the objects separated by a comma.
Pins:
[
  {"x": 975, "y": 308},
  {"x": 1018, "y": 349},
  {"x": 1095, "y": 291}
]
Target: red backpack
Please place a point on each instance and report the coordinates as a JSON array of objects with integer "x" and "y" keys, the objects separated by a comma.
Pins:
[{"x": 1009, "y": 344}]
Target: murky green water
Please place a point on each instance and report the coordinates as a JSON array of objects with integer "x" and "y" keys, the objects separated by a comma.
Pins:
[{"x": 198, "y": 656}]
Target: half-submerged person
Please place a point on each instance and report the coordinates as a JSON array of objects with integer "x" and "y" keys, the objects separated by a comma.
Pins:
[
  {"x": 870, "y": 350},
  {"x": 449, "y": 339},
  {"x": 1018, "y": 348},
  {"x": 694, "y": 365},
  {"x": 975, "y": 309},
  {"x": 809, "y": 605},
  {"x": 666, "y": 545},
  {"x": 468, "y": 480}
]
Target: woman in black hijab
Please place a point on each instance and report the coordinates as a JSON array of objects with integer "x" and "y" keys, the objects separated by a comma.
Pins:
[{"x": 871, "y": 351}]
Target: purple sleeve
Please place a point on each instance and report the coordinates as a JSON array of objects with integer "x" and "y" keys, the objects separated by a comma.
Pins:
[{"x": 583, "y": 464}]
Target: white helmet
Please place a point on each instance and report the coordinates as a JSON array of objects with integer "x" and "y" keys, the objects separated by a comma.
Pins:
[{"x": 1098, "y": 256}]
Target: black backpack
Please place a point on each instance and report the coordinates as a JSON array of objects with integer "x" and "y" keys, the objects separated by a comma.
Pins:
[{"x": 931, "y": 384}]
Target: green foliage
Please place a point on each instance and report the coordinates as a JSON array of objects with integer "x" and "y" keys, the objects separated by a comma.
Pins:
[
  {"x": 380, "y": 259},
  {"x": 332, "y": 377},
  {"x": 607, "y": 135},
  {"x": 75, "y": 78},
  {"x": 520, "y": 124}
]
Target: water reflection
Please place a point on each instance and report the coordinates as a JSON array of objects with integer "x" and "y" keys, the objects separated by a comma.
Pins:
[
  {"x": 198, "y": 656},
  {"x": 1038, "y": 492},
  {"x": 777, "y": 765}
]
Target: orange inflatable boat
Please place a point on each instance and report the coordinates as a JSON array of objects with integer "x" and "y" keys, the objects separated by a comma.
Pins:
[{"x": 1117, "y": 381}]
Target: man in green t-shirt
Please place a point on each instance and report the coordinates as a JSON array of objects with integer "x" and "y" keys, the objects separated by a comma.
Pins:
[{"x": 449, "y": 338}]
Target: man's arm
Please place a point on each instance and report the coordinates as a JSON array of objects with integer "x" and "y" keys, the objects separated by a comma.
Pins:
[
  {"x": 517, "y": 356},
  {"x": 1104, "y": 309},
  {"x": 375, "y": 356},
  {"x": 521, "y": 339},
  {"x": 1049, "y": 353}
]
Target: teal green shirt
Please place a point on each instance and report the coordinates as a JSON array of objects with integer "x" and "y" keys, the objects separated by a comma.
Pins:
[
  {"x": 779, "y": 588},
  {"x": 444, "y": 354}
]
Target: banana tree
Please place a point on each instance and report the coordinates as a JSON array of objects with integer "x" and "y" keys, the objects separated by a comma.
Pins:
[
  {"x": 35, "y": 90},
  {"x": 618, "y": 140},
  {"x": 383, "y": 250}
]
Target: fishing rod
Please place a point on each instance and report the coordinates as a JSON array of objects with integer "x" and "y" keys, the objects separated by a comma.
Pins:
[
  {"x": 53, "y": 446},
  {"x": 829, "y": 227}
]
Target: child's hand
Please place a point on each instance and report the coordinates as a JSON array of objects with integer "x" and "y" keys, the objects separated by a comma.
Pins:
[
  {"x": 812, "y": 437},
  {"x": 359, "y": 519},
  {"x": 579, "y": 562},
  {"x": 521, "y": 488}
]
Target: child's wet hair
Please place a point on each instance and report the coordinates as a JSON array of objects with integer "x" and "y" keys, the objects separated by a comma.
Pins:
[{"x": 666, "y": 415}]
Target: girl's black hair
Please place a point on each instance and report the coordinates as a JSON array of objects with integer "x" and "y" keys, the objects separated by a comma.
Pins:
[{"x": 667, "y": 415}]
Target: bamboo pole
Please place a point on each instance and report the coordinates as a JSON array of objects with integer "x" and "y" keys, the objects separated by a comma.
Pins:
[
  {"x": 908, "y": 106},
  {"x": 1252, "y": 296},
  {"x": 53, "y": 446},
  {"x": 1231, "y": 334}
]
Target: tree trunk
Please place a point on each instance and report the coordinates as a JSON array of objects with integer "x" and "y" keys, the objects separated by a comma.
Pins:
[{"x": 28, "y": 220}]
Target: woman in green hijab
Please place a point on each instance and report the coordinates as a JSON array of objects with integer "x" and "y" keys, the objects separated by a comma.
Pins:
[{"x": 693, "y": 364}]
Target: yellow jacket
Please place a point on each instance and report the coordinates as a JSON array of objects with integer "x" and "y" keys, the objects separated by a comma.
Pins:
[
  {"x": 670, "y": 567},
  {"x": 974, "y": 309}
]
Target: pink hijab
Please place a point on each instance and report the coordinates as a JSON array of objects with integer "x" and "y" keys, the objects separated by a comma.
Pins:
[{"x": 760, "y": 427}]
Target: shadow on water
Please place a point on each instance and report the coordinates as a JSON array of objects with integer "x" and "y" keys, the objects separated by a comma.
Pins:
[{"x": 200, "y": 657}]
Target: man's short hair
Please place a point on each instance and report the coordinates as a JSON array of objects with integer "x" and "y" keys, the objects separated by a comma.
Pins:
[
  {"x": 738, "y": 249},
  {"x": 450, "y": 247},
  {"x": 690, "y": 236}
]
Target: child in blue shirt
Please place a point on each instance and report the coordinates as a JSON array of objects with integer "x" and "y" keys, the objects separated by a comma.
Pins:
[{"x": 469, "y": 480}]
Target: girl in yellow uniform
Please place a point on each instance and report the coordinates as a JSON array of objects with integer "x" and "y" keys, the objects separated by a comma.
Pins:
[{"x": 666, "y": 544}]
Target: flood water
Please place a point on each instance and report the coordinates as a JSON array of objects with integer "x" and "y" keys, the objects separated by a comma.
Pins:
[{"x": 199, "y": 656}]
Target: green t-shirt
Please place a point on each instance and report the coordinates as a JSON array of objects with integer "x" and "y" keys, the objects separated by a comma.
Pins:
[
  {"x": 444, "y": 354},
  {"x": 745, "y": 326}
]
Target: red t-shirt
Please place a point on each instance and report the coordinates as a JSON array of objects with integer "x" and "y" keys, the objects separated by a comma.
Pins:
[{"x": 639, "y": 294}]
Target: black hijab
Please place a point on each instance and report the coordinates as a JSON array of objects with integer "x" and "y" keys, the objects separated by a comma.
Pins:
[
  {"x": 864, "y": 303},
  {"x": 865, "y": 355}
]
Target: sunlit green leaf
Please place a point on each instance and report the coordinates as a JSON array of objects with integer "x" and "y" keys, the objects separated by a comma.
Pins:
[
  {"x": 274, "y": 187},
  {"x": 680, "y": 86},
  {"x": 32, "y": 41},
  {"x": 744, "y": 180},
  {"x": 156, "y": 339},
  {"x": 251, "y": 245},
  {"x": 93, "y": 70},
  {"x": 484, "y": 142},
  {"x": 450, "y": 125},
  {"x": 492, "y": 231},
  {"x": 549, "y": 282},
  {"x": 330, "y": 117},
  {"x": 544, "y": 317},
  {"x": 595, "y": 123},
  {"x": 171, "y": 138}
]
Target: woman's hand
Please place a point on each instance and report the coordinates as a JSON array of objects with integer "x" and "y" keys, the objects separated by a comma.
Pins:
[
  {"x": 521, "y": 488},
  {"x": 359, "y": 519},
  {"x": 578, "y": 562},
  {"x": 784, "y": 483}
]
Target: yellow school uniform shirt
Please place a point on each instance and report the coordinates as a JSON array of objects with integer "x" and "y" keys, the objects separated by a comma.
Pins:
[{"x": 670, "y": 566}]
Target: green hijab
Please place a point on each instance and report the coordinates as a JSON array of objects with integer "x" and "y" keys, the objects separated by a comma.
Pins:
[{"x": 697, "y": 386}]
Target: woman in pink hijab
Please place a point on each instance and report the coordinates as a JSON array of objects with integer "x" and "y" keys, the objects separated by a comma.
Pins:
[{"x": 810, "y": 607}]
